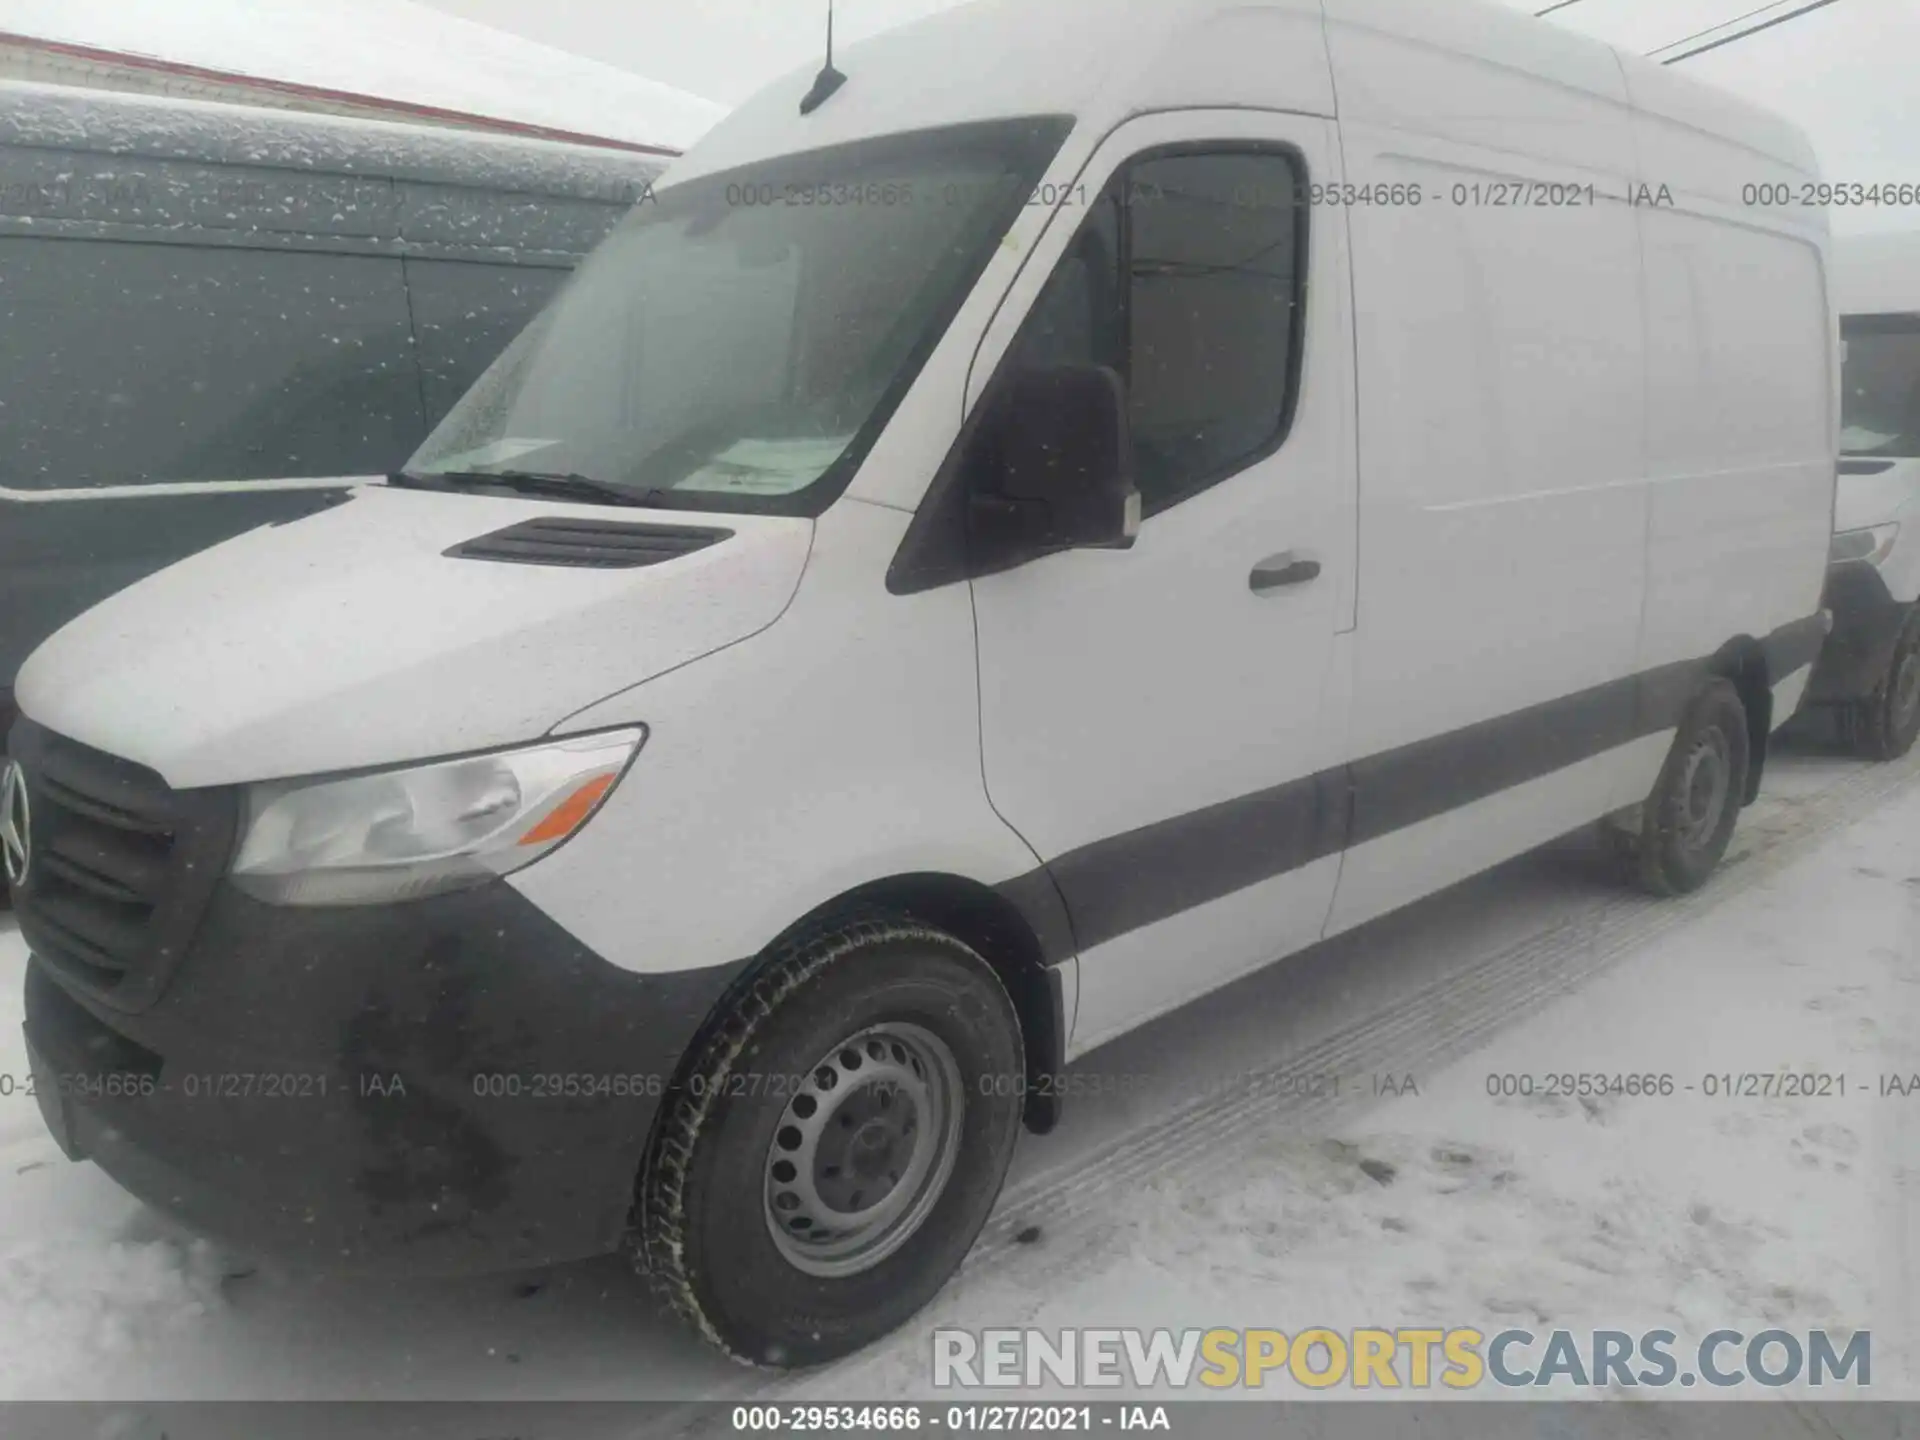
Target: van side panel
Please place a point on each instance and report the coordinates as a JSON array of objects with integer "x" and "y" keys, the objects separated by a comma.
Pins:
[
  {"x": 165, "y": 361},
  {"x": 1741, "y": 420},
  {"x": 479, "y": 265},
  {"x": 1740, "y": 432},
  {"x": 1502, "y": 445},
  {"x": 162, "y": 362},
  {"x": 464, "y": 315}
]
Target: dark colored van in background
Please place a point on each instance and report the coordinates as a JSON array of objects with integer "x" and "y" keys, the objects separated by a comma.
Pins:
[{"x": 196, "y": 296}]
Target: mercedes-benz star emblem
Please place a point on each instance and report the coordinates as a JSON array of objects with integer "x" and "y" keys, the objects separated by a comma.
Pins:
[{"x": 16, "y": 824}]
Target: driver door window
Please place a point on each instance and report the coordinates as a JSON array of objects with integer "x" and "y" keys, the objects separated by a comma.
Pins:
[{"x": 1188, "y": 278}]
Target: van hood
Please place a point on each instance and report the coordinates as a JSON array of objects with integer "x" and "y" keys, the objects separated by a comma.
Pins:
[{"x": 351, "y": 638}]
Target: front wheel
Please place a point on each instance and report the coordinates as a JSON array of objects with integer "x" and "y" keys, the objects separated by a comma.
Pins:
[
  {"x": 1885, "y": 725},
  {"x": 837, "y": 1144},
  {"x": 1687, "y": 822}
]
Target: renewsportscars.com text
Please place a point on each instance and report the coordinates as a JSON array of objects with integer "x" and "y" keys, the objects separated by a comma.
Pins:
[{"x": 1461, "y": 1358}]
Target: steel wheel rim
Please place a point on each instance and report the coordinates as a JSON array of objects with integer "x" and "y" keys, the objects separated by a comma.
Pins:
[
  {"x": 1704, "y": 784},
  {"x": 864, "y": 1150}
]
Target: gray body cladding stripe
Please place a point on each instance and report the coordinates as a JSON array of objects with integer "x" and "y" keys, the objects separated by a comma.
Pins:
[{"x": 1125, "y": 882}]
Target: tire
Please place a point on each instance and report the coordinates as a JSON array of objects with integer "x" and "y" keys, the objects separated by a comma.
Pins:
[
  {"x": 921, "y": 1047},
  {"x": 1885, "y": 725},
  {"x": 1688, "y": 820},
  {"x": 8, "y": 714}
]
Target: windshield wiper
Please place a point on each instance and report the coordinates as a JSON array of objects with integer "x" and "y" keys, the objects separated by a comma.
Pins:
[{"x": 527, "y": 482}]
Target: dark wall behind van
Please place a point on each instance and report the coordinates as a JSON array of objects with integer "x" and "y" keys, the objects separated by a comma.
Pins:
[{"x": 206, "y": 309}]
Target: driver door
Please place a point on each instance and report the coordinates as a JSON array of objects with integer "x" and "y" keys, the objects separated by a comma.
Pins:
[{"x": 1152, "y": 718}]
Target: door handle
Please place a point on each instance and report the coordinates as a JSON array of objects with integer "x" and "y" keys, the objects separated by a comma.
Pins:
[{"x": 1277, "y": 572}]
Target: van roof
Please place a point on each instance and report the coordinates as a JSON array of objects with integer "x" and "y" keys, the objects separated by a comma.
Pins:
[
  {"x": 1103, "y": 60},
  {"x": 104, "y": 122}
]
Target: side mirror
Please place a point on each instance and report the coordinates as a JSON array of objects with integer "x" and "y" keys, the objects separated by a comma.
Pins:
[{"x": 1058, "y": 467}]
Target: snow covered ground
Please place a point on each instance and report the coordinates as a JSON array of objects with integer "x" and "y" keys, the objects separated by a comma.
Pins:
[
  {"x": 393, "y": 49},
  {"x": 1210, "y": 1193}
]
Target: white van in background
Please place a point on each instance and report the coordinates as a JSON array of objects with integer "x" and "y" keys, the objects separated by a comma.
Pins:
[
  {"x": 967, "y": 569},
  {"x": 1870, "y": 669}
]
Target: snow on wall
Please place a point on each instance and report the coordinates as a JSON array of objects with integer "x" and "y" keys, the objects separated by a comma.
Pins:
[{"x": 393, "y": 49}]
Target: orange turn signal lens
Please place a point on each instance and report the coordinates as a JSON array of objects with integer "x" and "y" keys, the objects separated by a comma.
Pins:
[{"x": 570, "y": 813}]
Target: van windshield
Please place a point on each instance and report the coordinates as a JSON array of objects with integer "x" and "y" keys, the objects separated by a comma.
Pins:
[
  {"x": 1880, "y": 404},
  {"x": 740, "y": 341}
]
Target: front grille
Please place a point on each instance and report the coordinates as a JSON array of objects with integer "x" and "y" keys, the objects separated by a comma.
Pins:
[{"x": 121, "y": 866}]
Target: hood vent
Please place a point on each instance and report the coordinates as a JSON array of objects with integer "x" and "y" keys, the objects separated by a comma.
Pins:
[{"x": 588, "y": 544}]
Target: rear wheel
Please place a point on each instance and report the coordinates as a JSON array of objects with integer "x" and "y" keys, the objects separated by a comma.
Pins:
[
  {"x": 837, "y": 1144},
  {"x": 1885, "y": 725},
  {"x": 1686, "y": 823}
]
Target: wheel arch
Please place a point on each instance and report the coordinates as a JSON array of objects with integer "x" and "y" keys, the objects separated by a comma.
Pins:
[
  {"x": 986, "y": 920},
  {"x": 1005, "y": 936}
]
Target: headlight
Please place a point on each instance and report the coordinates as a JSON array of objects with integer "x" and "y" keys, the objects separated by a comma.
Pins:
[
  {"x": 1872, "y": 546},
  {"x": 402, "y": 834}
]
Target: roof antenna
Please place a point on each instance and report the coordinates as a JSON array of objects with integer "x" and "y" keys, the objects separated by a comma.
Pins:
[{"x": 828, "y": 80}]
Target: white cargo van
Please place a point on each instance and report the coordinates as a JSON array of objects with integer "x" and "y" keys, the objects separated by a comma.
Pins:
[
  {"x": 1870, "y": 668},
  {"x": 1098, "y": 502}
]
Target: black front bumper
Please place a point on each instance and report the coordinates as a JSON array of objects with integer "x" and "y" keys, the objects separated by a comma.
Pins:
[
  {"x": 444, "y": 1086},
  {"x": 1867, "y": 623}
]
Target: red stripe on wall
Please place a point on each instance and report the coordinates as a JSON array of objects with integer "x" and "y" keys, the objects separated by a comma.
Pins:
[{"x": 317, "y": 92}]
